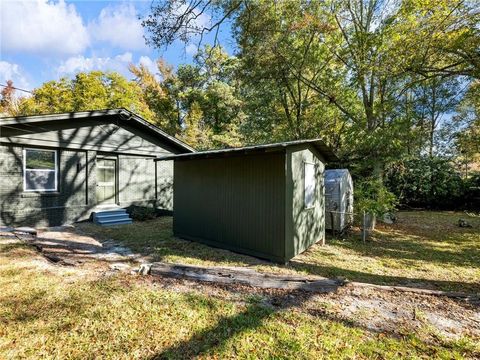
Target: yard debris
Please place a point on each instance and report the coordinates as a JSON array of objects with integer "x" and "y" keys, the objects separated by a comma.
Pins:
[
  {"x": 389, "y": 218},
  {"x": 120, "y": 267},
  {"x": 235, "y": 275},
  {"x": 463, "y": 223},
  {"x": 144, "y": 269},
  {"x": 25, "y": 230},
  {"x": 471, "y": 298},
  {"x": 64, "y": 245}
]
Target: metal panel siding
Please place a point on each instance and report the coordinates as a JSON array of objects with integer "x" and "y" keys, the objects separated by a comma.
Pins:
[
  {"x": 235, "y": 202},
  {"x": 308, "y": 225}
]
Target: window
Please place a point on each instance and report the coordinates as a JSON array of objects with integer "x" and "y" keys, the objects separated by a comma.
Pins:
[
  {"x": 39, "y": 170},
  {"x": 310, "y": 182}
]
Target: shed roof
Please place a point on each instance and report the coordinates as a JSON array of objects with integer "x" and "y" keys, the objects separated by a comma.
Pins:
[
  {"x": 121, "y": 113},
  {"x": 316, "y": 143}
]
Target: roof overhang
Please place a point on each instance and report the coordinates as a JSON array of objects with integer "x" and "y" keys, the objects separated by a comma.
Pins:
[
  {"x": 318, "y": 144},
  {"x": 121, "y": 114}
]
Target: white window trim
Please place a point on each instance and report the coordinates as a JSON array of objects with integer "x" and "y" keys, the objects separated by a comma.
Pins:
[
  {"x": 305, "y": 186},
  {"x": 25, "y": 170}
]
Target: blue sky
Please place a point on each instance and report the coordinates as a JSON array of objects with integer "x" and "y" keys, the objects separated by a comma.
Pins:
[{"x": 44, "y": 40}]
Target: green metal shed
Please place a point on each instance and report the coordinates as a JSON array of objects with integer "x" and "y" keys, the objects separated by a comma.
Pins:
[{"x": 265, "y": 200}]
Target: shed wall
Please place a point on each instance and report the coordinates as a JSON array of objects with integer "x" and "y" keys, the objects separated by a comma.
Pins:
[
  {"x": 305, "y": 226},
  {"x": 235, "y": 202}
]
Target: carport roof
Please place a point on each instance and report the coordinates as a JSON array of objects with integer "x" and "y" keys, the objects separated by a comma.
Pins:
[{"x": 316, "y": 143}]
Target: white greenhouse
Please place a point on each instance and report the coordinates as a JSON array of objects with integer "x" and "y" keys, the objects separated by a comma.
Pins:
[{"x": 338, "y": 199}]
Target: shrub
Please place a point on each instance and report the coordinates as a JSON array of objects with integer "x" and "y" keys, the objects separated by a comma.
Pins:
[
  {"x": 141, "y": 213},
  {"x": 426, "y": 182},
  {"x": 373, "y": 197}
]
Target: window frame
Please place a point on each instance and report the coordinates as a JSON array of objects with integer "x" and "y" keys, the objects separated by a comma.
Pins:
[
  {"x": 55, "y": 151},
  {"x": 312, "y": 205}
]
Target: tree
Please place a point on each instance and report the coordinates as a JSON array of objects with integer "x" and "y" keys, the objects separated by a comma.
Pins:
[
  {"x": 8, "y": 101},
  {"x": 434, "y": 98},
  {"x": 446, "y": 38},
  {"x": 197, "y": 97},
  {"x": 87, "y": 91},
  {"x": 375, "y": 79},
  {"x": 467, "y": 126},
  {"x": 161, "y": 94}
]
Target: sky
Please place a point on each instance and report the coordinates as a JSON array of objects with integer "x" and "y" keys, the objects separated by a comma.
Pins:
[{"x": 42, "y": 40}]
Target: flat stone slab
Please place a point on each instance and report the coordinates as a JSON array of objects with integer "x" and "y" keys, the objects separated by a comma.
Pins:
[{"x": 25, "y": 230}]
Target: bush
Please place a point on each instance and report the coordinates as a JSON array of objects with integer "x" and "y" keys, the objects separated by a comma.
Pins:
[
  {"x": 472, "y": 192},
  {"x": 373, "y": 197},
  {"x": 426, "y": 182},
  {"x": 141, "y": 213}
]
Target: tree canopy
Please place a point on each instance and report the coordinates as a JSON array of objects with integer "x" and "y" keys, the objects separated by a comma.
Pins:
[{"x": 385, "y": 83}]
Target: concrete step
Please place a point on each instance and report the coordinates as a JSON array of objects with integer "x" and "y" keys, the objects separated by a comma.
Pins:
[
  {"x": 110, "y": 212},
  {"x": 112, "y": 217},
  {"x": 115, "y": 222}
]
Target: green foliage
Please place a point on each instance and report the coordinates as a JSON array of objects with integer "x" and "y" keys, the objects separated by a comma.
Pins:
[
  {"x": 141, "y": 213},
  {"x": 374, "y": 80},
  {"x": 199, "y": 102},
  {"x": 87, "y": 91},
  {"x": 426, "y": 182},
  {"x": 378, "y": 82},
  {"x": 373, "y": 197}
]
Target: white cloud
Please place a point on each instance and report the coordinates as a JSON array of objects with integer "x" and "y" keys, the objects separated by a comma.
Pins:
[
  {"x": 9, "y": 71},
  {"x": 150, "y": 64},
  {"x": 191, "y": 49},
  {"x": 199, "y": 20},
  {"x": 81, "y": 63},
  {"x": 119, "y": 26},
  {"x": 42, "y": 27}
]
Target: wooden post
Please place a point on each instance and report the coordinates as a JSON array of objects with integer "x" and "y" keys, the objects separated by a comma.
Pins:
[
  {"x": 332, "y": 223},
  {"x": 363, "y": 229}
]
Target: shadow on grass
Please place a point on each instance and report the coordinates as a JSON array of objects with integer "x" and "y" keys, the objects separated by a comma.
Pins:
[
  {"x": 215, "y": 337},
  {"x": 354, "y": 275},
  {"x": 212, "y": 340},
  {"x": 155, "y": 238},
  {"x": 61, "y": 312}
]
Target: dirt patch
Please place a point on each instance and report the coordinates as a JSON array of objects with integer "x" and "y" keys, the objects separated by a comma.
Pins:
[
  {"x": 392, "y": 313},
  {"x": 68, "y": 246},
  {"x": 402, "y": 313}
]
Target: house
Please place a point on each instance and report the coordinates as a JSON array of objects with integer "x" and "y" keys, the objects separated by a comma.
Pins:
[
  {"x": 338, "y": 199},
  {"x": 266, "y": 200},
  {"x": 59, "y": 168}
]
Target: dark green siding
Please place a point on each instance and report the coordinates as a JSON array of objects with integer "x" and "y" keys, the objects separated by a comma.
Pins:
[
  {"x": 304, "y": 226},
  {"x": 235, "y": 202}
]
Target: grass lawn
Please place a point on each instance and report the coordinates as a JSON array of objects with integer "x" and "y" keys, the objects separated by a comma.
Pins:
[
  {"x": 423, "y": 248},
  {"x": 47, "y": 311}
]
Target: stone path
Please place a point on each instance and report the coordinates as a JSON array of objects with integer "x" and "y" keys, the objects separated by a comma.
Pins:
[{"x": 66, "y": 246}]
